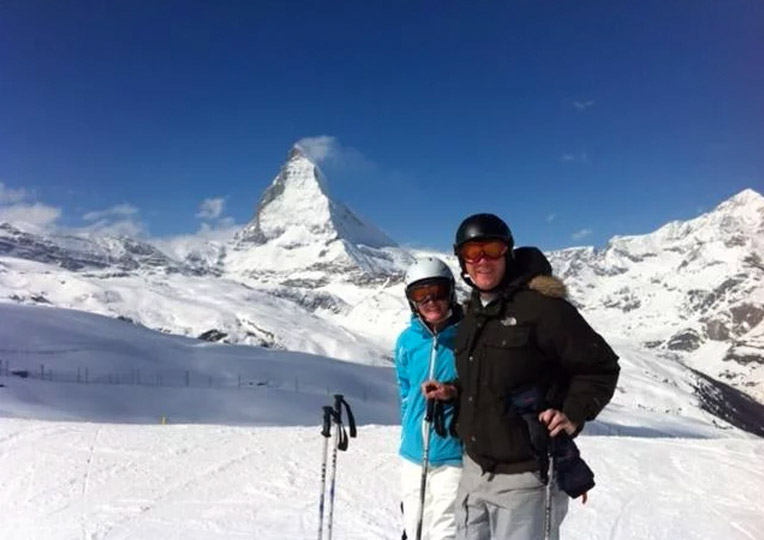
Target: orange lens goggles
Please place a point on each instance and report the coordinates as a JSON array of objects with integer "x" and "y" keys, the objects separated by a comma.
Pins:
[
  {"x": 432, "y": 291},
  {"x": 472, "y": 252}
]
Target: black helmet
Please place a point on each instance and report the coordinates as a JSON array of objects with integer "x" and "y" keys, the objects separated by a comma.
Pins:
[{"x": 483, "y": 226}]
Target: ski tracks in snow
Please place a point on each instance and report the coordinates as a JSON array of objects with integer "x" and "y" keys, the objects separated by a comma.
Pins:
[
  {"x": 193, "y": 482},
  {"x": 85, "y": 481}
]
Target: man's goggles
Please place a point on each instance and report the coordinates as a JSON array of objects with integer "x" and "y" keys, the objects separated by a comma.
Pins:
[
  {"x": 472, "y": 252},
  {"x": 429, "y": 291}
]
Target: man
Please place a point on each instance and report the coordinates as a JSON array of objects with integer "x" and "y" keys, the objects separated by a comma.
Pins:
[{"x": 519, "y": 337}]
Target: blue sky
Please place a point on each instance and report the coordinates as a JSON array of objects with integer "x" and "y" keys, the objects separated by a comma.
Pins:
[{"x": 574, "y": 121}]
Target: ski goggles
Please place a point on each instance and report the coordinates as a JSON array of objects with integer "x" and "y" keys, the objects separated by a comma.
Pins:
[
  {"x": 472, "y": 252},
  {"x": 428, "y": 291}
]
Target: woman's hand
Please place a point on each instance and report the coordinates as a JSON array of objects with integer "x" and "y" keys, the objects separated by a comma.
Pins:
[
  {"x": 556, "y": 421},
  {"x": 439, "y": 391}
]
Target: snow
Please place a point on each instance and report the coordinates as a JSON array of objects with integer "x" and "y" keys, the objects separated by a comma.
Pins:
[
  {"x": 95, "y": 461},
  {"x": 118, "y": 481}
]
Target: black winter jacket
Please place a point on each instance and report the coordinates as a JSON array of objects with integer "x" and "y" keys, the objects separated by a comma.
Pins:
[{"x": 529, "y": 337}]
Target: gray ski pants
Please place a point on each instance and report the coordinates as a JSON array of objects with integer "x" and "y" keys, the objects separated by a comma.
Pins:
[{"x": 504, "y": 506}]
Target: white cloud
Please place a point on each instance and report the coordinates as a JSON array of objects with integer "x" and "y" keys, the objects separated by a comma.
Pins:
[
  {"x": 118, "y": 220},
  {"x": 123, "y": 227},
  {"x": 326, "y": 151},
  {"x": 319, "y": 148},
  {"x": 580, "y": 235},
  {"x": 120, "y": 210},
  {"x": 211, "y": 208},
  {"x": 37, "y": 215},
  {"x": 579, "y": 157},
  {"x": 583, "y": 105},
  {"x": 12, "y": 196},
  {"x": 550, "y": 218}
]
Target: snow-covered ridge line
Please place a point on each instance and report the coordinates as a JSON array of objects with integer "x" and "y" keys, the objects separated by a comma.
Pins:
[{"x": 304, "y": 276}]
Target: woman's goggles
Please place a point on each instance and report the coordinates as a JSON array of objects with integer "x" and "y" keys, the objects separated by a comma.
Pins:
[
  {"x": 428, "y": 291},
  {"x": 472, "y": 252}
]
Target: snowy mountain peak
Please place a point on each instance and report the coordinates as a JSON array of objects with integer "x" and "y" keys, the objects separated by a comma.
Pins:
[
  {"x": 746, "y": 197},
  {"x": 296, "y": 204},
  {"x": 299, "y": 227},
  {"x": 296, "y": 209}
]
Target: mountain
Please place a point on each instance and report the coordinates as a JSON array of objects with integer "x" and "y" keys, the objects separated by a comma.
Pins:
[
  {"x": 684, "y": 304},
  {"x": 299, "y": 228},
  {"x": 692, "y": 290}
]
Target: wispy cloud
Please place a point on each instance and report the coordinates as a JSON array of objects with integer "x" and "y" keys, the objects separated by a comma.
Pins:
[
  {"x": 550, "y": 218},
  {"x": 579, "y": 157},
  {"x": 36, "y": 215},
  {"x": 211, "y": 208},
  {"x": 319, "y": 148},
  {"x": 117, "y": 211},
  {"x": 118, "y": 220},
  {"x": 17, "y": 209},
  {"x": 327, "y": 151},
  {"x": 120, "y": 227},
  {"x": 12, "y": 196},
  {"x": 583, "y": 105},
  {"x": 580, "y": 235}
]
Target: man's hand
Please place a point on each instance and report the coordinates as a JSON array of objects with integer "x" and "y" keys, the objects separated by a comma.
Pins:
[
  {"x": 438, "y": 391},
  {"x": 556, "y": 421}
]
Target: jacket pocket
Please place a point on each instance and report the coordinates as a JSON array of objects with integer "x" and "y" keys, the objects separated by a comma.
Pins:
[{"x": 510, "y": 360}]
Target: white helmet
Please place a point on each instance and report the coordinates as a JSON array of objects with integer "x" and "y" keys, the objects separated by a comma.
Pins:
[{"x": 429, "y": 268}]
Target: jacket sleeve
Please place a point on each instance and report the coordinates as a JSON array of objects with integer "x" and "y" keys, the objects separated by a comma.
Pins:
[
  {"x": 402, "y": 375},
  {"x": 588, "y": 362}
]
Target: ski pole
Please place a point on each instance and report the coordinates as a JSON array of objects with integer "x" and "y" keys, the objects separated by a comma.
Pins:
[
  {"x": 340, "y": 443},
  {"x": 548, "y": 495},
  {"x": 426, "y": 435},
  {"x": 427, "y": 429},
  {"x": 326, "y": 432}
]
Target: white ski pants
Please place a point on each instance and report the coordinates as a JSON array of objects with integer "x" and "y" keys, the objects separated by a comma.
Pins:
[{"x": 440, "y": 493}]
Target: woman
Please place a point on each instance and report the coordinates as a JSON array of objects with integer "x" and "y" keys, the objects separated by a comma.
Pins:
[{"x": 424, "y": 352}]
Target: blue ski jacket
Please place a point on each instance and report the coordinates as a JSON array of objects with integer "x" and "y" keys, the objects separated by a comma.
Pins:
[{"x": 413, "y": 350}]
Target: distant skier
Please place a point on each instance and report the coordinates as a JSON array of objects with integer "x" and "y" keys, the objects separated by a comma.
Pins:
[
  {"x": 525, "y": 359},
  {"x": 424, "y": 351}
]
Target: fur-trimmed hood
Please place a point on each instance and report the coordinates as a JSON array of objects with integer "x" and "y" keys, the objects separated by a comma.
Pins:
[
  {"x": 548, "y": 286},
  {"x": 533, "y": 271}
]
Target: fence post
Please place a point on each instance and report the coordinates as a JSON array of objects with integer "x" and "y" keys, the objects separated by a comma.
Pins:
[
  {"x": 296, "y": 384},
  {"x": 239, "y": 382},
  {"x": 78, "y": 374},
  {"x": 138, "y": 375},
  {"x": 210, "y": 381},
  {"x": 42, "y": 372},
  {"x": 86, "y": 375}
]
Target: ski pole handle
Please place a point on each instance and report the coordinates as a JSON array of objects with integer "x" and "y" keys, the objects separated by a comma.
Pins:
[
  {"x": 429, "y": 410},
  {"x": 327, "y": 426}
]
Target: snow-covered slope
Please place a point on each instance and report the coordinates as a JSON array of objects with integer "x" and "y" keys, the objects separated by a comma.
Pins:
[
  {"x": 80, "y": 366},
  {"x": 692, "y": 290},
  {"x": 118, "y": 473},
  {"x": 114, "y": 481},
  {"x": 57, "y": 347},
  {"x": 308, "y": 275}
]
